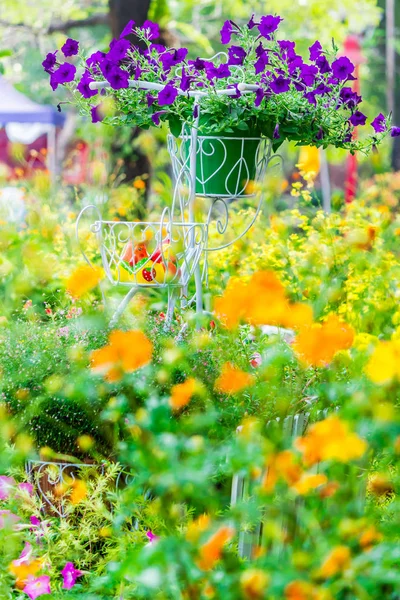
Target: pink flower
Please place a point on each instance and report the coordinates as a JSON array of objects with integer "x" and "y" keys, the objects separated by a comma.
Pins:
[
  {"x": 63, "y": 331},
  {"x": 151, "y": 537},
  {"x": 6, "y": 485},
  {"x": 37, "y": 586},
  {"x": 70, "y": 575},
  {"x": 256, "y": 360},
  {"x": 24, "y": 557},
  {"x": 26, "y": 487},
  {"x": 7, "y": 518}
]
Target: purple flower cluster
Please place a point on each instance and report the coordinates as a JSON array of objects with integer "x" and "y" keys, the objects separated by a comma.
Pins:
[{"x": 277, "y": 73}]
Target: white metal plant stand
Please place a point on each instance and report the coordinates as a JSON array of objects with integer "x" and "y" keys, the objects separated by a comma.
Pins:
[{"x": 172, "y": 251}]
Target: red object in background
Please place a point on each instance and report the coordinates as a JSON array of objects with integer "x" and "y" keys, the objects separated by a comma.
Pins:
[
  {"x": 34, "y": 156},
  {"x": 352, "y": 49},
  {"x": 75, "y": 170}
]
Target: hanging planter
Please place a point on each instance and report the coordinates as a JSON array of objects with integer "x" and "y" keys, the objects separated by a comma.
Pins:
[{"x": 227, "y": 164}]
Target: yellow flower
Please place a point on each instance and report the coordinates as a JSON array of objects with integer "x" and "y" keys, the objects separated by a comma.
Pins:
[
  {"x": 83, "y": 279},
  {"x": 282, "y": 465},
  {"x": 233, "y": 380},
  {"x": 79, "y": 491},
  {"x": 182, "y": 393},
  {"x": 330, "y": 439},
  {"x": 126, "y": 352},
  {"x": 23, "y": 571},
  {"x": 299, "y": 590},
  {"x": 308, "y": 482},
  {"x": 369, "y": 537},
  {"x": 317, "y": 344},
  {"x": 337, "y": 561},
  {"x": 197, "y": 527},
  {"x": 254, "y": 583},
  {"x": 211, "y": 551},
  {"x": 384, "y": 363}
]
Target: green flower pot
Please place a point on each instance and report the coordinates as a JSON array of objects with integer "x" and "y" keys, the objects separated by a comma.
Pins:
[{"x": 225, "y": 163}]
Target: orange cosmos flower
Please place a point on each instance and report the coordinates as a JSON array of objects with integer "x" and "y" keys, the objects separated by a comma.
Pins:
[
  {"x": 337, "y": 561},
  {"x": 25, "y": 566},
  {"x": 83, "y": 279},
  {"x": 233, "y": 380},
  {"x": 126, "y": 352},
  {"x": 317, "y": 344},
  {"x": 330, "y": 439},
  {"x": 211, "y": 551},
  {"x": 281, "y": 466},
  {"x": 254, "y": 583},
  {"x": 308, "y": 482},
  {"x": 299, "y": 590},
  {"x": 369, "y": 537},
  {"x": 182, "y": 393}
]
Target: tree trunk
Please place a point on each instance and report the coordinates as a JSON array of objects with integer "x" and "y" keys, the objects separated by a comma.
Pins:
[{"x": 135, "y": 164}]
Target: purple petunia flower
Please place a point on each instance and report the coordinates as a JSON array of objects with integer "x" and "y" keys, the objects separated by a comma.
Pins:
[
  {"x": 38, "y": 586},
  {"x": 196, "y": 111},
  {"x": 322, "y": 89},
  {"x": 295, "y": 62},
  {"x": 310, "y": 97},
  {"x": 96, "y": 114},
  {"x": 118, "y": 50},
  {"x": 84, "y": 85},
  {"x": 315, "y": 50},
  {"x": 49, "y": 62},
  {"x": 152, "y": 30},
  {"x": 280, "y": 84},
  {"x": 395, "y": 131},
  {"x": 358, "y": 118},
  {"x": 268, "y": 25},
  {"x": 219, "y": 72},
  {"x": 260, "y": 95},
  {"x": 262, "y": 60},
  {"x": 342, "y": 68},
  {"x": 70, "y": 48},
  {"x": 185, "y": 81},
  {"x": 106, "y": 66},
  {"x": 150, "y": 100},
  {"x": 236, "y": 55},
  {"x": 276, "y": 135},
  {"x": 175, "y": 57},
  {"x": 379, "y": 123},
  {"x": 350, "y": 98},
  {"x": 167, "y": 95},
  {"x": 226, "y": 32},
  {"x": 251, "y": 24},
  {"x": 320, "y": 135},
  {"x": 323, "y": 64},
  {"x": 64, "y": 74},
  {"x": 308, "y": 73},
  {"x": 199, "y": 64},
  {"x": 156, "y": 116},
  {"x": 287, "y": 47},
  {"x": 118, "y": 78},
  {"x": 70, "y": 575},
  {"x": 128, "y": 29}
]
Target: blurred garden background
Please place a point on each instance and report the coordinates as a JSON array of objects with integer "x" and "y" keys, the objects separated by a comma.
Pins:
[{"x": 248, "y": 452}]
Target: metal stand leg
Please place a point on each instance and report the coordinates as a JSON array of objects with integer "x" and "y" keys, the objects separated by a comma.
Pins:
[
  {"x": 170, "y": 310},
  {"x": 123, "y": 304}
]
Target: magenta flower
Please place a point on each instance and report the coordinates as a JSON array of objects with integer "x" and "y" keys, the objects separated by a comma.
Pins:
[
  {"x": 227, "y": 31},
  {"x": 342, "y": 68},
  {"x": 395, "y": 131},
  {"x": 379, "y": 123},
  {"x": 70, "y": 575},
  {"x": 49, "y": 62},
  {"x": 64, "y": 74},
  {"x": 128, "y": 29},
  {"x": 358, "y": 118},
  {"x": 6, "y": 486},
  {"x": 268, "y": 25},
  {"x": 167, "y": 95},
  {"x": 315, "y": 50},
  {"x": 151, "y": 536},
  {"x": 35, "y": 521},
  {"x": 70, "y": 48},
  {"x": 38, "y": 586},
  {"x": 152, "y": 30},
  {"x": 25, "y": 555}
]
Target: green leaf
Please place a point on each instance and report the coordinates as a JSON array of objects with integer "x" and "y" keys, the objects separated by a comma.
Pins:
[{"x": 4, "y": 53}]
